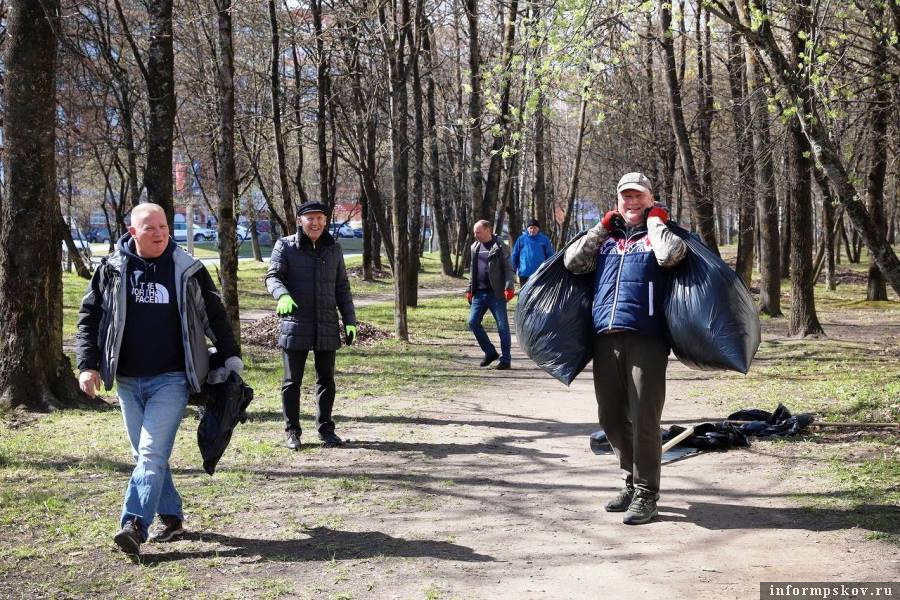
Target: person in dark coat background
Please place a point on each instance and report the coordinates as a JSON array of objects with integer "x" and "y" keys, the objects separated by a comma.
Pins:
[{"x": 308, "y": 278}]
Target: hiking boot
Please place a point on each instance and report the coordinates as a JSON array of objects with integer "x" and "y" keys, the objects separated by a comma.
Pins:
[
  {"x": 170, "y": 527},
  {"x": 330, "y": 439},
  {"x": 642, "y": 509},
  {"x": 503, "y": 366},
  {"x": 130, "y": 538},
  {"x": 489, "y": 359},
  {"x": 622, "y": 500},
  {"x": 293, "y": 440}
]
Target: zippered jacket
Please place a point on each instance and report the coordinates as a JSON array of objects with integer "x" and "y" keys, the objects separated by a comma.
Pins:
[
  {"x": 500, "y": 270},
  {"x": 101, "y": 320},
  {"x": 316, "y": 278},
  {"x": 529, "y": 252},
  {"x": 630, "y": 283}
]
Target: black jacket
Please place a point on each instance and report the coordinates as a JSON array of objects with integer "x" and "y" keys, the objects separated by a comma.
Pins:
[{"x": 316, "y": 278}]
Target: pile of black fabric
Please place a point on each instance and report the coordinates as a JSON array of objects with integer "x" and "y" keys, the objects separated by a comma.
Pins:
[
  {"x": 727, "y": 434},
  {"x": 226, "y": 406}
]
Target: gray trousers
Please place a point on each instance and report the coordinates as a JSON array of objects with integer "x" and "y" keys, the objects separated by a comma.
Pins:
[{"x": 630, "y": 385}]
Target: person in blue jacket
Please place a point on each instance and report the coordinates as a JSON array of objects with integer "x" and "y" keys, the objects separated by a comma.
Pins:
[
  {"x": 631, "y": 250},
  {"x": 530, "y": 251}
]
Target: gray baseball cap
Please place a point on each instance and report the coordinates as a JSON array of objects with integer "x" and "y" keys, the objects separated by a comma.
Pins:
[{"x": 634, "y": 181}]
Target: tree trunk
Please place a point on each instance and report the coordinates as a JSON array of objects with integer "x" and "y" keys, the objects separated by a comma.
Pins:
[
  {"x": 705, "y": 114},
  {"x": 34, "y": 372},
  {"x": 803, "y": 320},
  {"x": 576, "y": 172},
  {"x": 161, "y": 99},
  {"x": 475, "y": 115},
  {"x": 440, "y": 224},
  {"x": 878, "y": 126},
  {"x": 290, "y": 219},
  {"x": 416, "y": 203},
  {"x": 323, "y": 92},
  {"x": 746, "y": 173},
  {"x": 701, "y": 205},
  {"x": 492, "y": 185},
  {"x": 540, "y": 165},
  {"x": 227, "y": 173}
]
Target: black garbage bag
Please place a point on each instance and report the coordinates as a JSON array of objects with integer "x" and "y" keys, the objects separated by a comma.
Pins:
[
  {"x": 226, "y": 406},
  {"x": 765, "y": 424},
  {"x": 712, "y": 318},
  {"x": 554, "y": 324}
]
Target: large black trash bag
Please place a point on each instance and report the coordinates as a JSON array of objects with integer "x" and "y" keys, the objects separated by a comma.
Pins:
[
  {"x": 553, "y": 318},
  {"x": 712, "y": 318},
  {"x": 226, "y": 406}
]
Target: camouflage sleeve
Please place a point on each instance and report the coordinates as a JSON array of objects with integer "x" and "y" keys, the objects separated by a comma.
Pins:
[
  {"x": 668, "y": 247},
  {"x": 581, "y": 256}
]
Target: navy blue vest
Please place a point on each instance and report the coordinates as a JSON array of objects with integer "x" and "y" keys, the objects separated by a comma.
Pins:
[{"x": 629, "y": 287}]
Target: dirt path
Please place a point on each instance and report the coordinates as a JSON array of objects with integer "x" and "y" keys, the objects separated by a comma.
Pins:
[{"x": 497, "y": 495}]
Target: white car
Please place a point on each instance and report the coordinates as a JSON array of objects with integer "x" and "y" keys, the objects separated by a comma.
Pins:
[{"x": 200, "y": 233}]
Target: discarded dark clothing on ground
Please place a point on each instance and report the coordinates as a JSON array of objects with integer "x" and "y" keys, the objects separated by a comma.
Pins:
[
  {"x": 600, "y": 445},
  {"x": 724, "y": 434},
  {"x": 226, "y": 406},
  {"x": 766, "y": 424}
]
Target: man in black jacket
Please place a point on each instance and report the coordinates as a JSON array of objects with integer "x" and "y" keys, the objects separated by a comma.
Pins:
[
  {"x": 144, "y": 323},
  {"x": 308, "y": 278},
  {"x": 490, "y": 289}
]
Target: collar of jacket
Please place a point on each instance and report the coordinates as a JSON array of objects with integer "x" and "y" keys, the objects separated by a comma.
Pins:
[{"x": 304, "y": 241}]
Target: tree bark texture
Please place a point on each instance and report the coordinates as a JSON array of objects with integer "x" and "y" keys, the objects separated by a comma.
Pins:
[
  {"x": 161, "y": 98},
  {"x": 290, "y": 219},
  {"x": 34, "y": 372}
]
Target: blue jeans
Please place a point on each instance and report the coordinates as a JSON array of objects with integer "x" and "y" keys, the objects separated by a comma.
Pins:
[
  {"x": 152, "y": 408},
  {"x": 481, "y": 303}
]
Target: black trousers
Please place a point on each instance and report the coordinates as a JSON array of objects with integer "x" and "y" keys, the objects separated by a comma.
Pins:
[
  {"x": 294, "y": 364},
  {"x": 630, "y": 385}
]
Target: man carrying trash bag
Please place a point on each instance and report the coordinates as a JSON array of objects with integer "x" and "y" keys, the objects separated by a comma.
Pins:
[{"x": 630, "y": 252}]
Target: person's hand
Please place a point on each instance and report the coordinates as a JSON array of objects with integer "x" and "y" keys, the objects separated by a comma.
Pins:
[
  {"x": 286, "y": 305},
  {"x": 612, "y": 221},
  {"x": 659, "y": 211},
  {"x": 232, "y": 364},
  {"x": 508, "y": 294},
  {"x": 469, "y": 297},
  {"x": 351, "y": 334},
  {"x": 89, "y": 382}
]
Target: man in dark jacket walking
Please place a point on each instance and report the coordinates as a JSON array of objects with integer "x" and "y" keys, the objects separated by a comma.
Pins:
[
  {"x": 144, "y": 323},
  {"x": 490, "y": 288},
  {"x": 308, "y": 278},
  {"x": 530, "y": 250}
]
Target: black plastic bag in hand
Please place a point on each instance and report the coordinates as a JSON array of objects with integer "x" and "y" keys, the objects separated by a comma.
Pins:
[
  {"x": 554, "y": 324},
  {"x": 712, "y": 318}
]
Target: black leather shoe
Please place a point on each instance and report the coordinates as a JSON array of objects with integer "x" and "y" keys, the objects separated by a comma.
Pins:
[
  {"x": 502, "y": 366},
  {"x": 330, "y": 439},
  {"x": 293, "y": 440},
  {"x": 489, "y": 359}
]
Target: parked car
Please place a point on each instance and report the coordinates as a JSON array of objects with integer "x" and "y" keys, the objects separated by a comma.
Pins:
[
  {"x": 358, "y": 232},
  {"x": 342, "y": 230},
  {"x": 98, "y": 235},
  {"x": 200, "y": 233},
  {"x": 243, "y": 233}
]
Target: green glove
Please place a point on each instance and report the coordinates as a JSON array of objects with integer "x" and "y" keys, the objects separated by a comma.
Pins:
[
  {"x": 286, "y": 305},
  {"x": 351, "y": 334}
]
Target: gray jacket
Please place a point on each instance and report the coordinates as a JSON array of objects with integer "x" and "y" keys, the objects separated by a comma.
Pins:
[
  {"x": 101, "y": 320},
  {"x": 500, "y": 269}
]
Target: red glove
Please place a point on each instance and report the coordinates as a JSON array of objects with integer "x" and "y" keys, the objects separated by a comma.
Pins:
[
  {"x": 509, "y": 295},
  {"x": 469, "y": 297},
  {"x": 612, "y": 221},
  {"x": 660, "y": 212}
]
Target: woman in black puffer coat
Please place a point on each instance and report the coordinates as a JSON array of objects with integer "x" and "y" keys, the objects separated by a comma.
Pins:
[{"x": 308, "y": 278}]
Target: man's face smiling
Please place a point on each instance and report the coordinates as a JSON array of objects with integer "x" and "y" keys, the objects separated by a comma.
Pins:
[
  {"x": 151, "y": 233},
  {"x": 313, "y": 224},
  {"x": 632, "y": 204}
]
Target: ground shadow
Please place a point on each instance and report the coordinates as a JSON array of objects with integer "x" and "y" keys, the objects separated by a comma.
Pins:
[
  {"x": 885, "y": 518},
  {"x": 444, "y": 450},
  {"x": 322, "y": 544}
]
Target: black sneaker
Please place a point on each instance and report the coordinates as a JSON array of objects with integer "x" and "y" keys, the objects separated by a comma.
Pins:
[
  {"x": 489, "y": 359},
  {"x": 642, "y": 509},
  {"x": 503, "y": 366},
  {"x": 130, "y": 538},
  {"x": 170, "y": 527},
  {"x": 330, "y": 439},
  {"x": 622, "y": 500},
  {"x": 293, "y": 440}
]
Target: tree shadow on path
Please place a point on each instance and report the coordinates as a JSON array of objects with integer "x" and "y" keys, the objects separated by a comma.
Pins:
[{"x": 323, "y": 544}]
